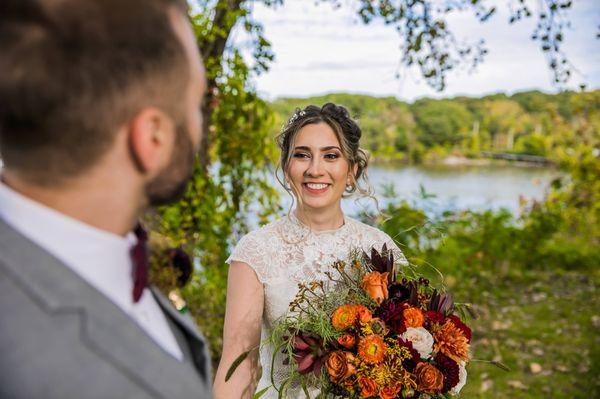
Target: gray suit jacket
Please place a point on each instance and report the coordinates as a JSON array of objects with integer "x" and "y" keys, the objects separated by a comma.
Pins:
[{"x": 61, "y": 338}]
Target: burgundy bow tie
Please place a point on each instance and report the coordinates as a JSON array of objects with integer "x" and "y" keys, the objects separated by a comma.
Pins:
[{"x": 139, "y": 257}]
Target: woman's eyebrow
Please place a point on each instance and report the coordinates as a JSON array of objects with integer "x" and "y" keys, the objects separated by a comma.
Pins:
[
  {"x": 327, "y": 148},
  {"x": 302, "y": 148}
]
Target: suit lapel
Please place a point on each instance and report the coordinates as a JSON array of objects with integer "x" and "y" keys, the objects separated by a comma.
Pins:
[
  {"x": 105, "y": 329},
  {"x": 195, "y": 340}
]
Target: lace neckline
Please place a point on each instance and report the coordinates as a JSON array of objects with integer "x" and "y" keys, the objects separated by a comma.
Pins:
[
  {"x": 293, "y": 231},
  {"x": 295, "y": 220}
]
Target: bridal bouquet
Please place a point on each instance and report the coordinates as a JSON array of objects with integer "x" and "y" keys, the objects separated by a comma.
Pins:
[{"x": 379, "y": 333}]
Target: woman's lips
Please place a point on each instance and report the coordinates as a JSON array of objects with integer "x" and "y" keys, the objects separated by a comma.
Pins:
[{"x": 316, "y": 188}]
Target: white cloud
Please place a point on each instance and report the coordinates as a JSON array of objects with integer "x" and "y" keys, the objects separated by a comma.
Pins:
[{"x": 319, "y": 50}]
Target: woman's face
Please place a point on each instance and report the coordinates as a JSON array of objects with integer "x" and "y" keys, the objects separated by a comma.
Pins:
[{"x": 318, "y": 170}]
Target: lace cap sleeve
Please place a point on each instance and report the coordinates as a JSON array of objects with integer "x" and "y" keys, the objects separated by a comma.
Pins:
[{"x": 247, "y": 251}]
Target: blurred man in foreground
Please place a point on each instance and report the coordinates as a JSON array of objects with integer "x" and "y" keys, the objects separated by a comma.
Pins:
[{"x": 99, "y": 119}]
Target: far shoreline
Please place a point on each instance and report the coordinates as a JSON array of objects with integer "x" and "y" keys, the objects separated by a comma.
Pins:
[{"x": 458, "y": 161}]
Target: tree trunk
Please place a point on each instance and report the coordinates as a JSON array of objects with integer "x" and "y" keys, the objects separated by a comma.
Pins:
[{"x": 212, "y": 48}]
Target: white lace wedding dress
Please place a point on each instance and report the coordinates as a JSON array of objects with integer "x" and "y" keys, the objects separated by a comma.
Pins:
[{"x": 285, "y": 253}]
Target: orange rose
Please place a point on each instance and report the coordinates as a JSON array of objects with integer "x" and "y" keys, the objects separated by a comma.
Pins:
[
  {"x": 413, "y": 317},
  {"x": 344, "y": 317},
  {"x": 364, "y": 314},
  {"x": 340, "y": 365},
  {"x": 375, "y": 285},
  {"x": 389, "y": 392},
  {"x": 347, "y": 341},
  {"x": 429, "y": 379},
  {"x": 368, "y": 387}
]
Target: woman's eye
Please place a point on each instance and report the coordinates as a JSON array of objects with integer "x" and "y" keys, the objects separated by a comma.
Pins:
[
  {"x": 300, "y": 155},
  {"x": 332, "y": 156}
]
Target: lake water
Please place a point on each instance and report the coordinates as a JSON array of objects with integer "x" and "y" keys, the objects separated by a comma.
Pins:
[{"x": 456, "y": 187}]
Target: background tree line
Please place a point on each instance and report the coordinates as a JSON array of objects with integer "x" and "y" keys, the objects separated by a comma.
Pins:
[{"x": 427, "y": 130}]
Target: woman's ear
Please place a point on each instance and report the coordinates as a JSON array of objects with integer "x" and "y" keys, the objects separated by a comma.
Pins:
[{"x": 353, "y": 173}]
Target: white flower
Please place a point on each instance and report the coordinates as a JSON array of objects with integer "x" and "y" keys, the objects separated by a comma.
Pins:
[
  {"x": 462, "y": 379},
  {"x": 421, "y": 340}
]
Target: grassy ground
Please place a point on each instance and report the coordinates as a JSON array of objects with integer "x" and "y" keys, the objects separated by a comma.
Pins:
[{"x": 544, "y": 325}]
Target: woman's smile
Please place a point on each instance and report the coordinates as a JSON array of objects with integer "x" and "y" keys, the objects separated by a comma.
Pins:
[{"x": 316, "y": 188}]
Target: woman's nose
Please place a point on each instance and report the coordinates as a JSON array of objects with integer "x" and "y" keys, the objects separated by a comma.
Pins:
[{"x": 315, "y": 168}]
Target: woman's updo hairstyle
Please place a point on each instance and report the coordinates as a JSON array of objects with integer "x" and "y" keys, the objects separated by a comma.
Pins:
[{"x": 348, "y": 134}]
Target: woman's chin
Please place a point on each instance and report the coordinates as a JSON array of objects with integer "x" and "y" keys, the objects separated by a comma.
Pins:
[{"x": 317, "y": 204}]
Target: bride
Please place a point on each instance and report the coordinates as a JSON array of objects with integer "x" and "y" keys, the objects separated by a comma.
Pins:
[{"x": 322, "y": 162}]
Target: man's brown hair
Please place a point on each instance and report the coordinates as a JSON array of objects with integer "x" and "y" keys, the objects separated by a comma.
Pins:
[{"x": 73, "y": 71}]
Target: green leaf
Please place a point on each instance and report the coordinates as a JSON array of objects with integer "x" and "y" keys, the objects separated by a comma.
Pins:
[
  {"x": 261, "y": 392},
  {"x": 236, "y": 363},
  {"x": 500, "y": 365}
]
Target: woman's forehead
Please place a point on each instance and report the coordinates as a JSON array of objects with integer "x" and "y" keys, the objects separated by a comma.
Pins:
[{"x": 316, "y": 135}]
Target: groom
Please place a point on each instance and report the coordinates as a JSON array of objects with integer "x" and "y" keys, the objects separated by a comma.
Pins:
[{"x": 99, "y": 119}]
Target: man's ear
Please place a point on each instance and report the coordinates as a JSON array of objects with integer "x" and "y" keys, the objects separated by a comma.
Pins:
[{"x": 151, "y": 139}]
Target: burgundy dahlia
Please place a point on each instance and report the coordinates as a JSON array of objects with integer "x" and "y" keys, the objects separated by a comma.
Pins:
[
  {"x": 449, "y": 369},
  {"x": 431, "y": 316},
  {"x": 407, "y": 291},
  {"x": 410, "y": 363},
  {"x": 182, "y": 263},
  {"x": 461, "y": 326},
  {"x": 391, "y": 313}
]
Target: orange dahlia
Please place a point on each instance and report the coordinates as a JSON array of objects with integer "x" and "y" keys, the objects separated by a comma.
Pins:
[
  {"x": 371, "y": 349},
  {"x": 413, "y": 317},
  {"x": 344, "y": 317},
  {"x": 451, "y": 341}
]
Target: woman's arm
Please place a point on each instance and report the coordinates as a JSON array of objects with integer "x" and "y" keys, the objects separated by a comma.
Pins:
[{"x": 243, "y": 315}]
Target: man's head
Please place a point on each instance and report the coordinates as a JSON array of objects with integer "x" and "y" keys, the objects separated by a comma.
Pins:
[{"x": 80, "y": 75}]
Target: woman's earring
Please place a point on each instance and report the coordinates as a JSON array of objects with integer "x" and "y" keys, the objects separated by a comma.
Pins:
[{"x": 349, "y": 186}]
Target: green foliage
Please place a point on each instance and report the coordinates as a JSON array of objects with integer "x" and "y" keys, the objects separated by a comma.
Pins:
[{"x": 441, "y": 122}]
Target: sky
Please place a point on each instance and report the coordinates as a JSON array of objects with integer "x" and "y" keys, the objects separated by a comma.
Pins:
[{"x": 320, "y": 50}]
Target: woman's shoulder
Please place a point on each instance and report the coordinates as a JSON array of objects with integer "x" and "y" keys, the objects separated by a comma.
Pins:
[
  {"x": 261, "y": 240},
  {"x": 260, "y": 249},
  {"x": 269, "y": 230}
]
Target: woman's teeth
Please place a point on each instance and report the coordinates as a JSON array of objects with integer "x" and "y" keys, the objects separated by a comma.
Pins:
[{"x": 316, "y": 186}]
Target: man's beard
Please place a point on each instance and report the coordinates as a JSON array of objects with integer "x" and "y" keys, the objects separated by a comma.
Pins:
[{"x": 171, "y": 184}]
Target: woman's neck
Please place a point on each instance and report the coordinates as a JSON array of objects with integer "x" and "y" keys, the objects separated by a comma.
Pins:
[{"x": 320, "y": 220}]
